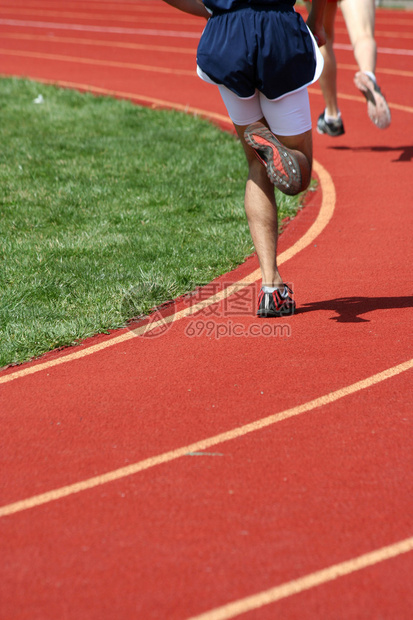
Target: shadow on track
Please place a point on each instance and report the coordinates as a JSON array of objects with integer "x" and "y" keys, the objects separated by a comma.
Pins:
[
  {"x": 349, "y": 309},
  {"x": 406, "y": 152}
]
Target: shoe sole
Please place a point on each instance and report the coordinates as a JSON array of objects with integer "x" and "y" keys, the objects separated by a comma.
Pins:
[
  {"x": 330, "y": 133},
  {"x": 281, "y": 165},
  {"x": 377, "y": 107},
  {"x": 277, "y": 314}
]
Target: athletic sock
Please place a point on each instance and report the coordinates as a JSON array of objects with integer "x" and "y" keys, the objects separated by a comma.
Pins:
[
  {"x": 331, "y": 119},
  {"x": 271, "y": 289},
  {"x": 371, "y": 76}
]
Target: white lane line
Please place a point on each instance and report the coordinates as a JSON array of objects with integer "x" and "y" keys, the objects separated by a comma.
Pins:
[
  {"x": 242, "y": 606},
  {"x": 380, "y": 50},
  {"x": 155, "y": 33},
  {"x": 324, "y": 216},
  {"x": 98, "y": 62},
  {"x": 109, "y": 29},
  {"x": 203, "y": 444}
]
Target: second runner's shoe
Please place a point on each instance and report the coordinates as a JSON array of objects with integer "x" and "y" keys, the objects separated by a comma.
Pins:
[
  {"x": 331, "y": 128},
  {"x": 377, "y": 106}
]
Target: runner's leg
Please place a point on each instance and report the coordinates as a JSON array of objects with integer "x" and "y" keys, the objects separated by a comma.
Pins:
[
  {"x": 262, "y": 216},
  {"x": 328, "y": 79},
  {"x": 359, "y": 16},
  {"x": 291, "y": 116}
]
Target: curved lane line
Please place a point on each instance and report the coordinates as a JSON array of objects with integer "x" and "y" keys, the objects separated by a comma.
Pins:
[
  {"x": 149, "y": 32},
  {"x": 324, "y": 216},
  {"x": 158, "y": 69},
  {"x": 384, "y": 34},
  {"x": 105, "y": 5},
  {"x": 103, "y": 43},
  {"x": 166, "y": 33},
  {"x": 155, "y": 48},
  {"x": 393, "y": 51},
  {"x": 393, "y": 106},
  {"x": 312, "y": 580},
  {"x": 203, "y": 444},
  {"x": 81, "y": 60},
  {"x": 116, "y": 16},
  {"x": 355, "y": 68}
]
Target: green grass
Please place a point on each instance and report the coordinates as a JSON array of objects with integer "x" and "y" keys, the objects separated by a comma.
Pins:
[{"x": 99, "y": 197}]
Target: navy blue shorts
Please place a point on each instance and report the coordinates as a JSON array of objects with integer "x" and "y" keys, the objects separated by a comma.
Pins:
[{"x": 268, "y": 49}]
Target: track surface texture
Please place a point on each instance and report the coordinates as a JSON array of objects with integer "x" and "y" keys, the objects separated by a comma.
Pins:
[{"x": 228, "y": 466}]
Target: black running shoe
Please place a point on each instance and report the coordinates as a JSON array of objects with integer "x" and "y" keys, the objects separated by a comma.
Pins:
[
  {"x": 277, "y": 303},
  {"x": 331, "y": 128}
]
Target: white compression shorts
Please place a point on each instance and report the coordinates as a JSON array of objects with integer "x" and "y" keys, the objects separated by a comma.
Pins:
[{"x": 288, "y": 116}]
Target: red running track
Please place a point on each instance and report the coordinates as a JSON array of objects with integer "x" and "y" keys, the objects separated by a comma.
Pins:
[{"x": 270, "y": 468}]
